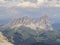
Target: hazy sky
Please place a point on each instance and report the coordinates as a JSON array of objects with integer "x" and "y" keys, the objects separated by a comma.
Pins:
[{"x": 31, "y": 8}]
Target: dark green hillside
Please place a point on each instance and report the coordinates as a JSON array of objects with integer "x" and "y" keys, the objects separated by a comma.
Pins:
[{"x": 29, "y": 36}]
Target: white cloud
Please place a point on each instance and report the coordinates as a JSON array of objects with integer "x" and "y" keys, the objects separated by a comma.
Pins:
[
  {"x": 29, "y": 4},
  {"x": 52, "y": 3},
  {"x": 40, "y": 1},
  {"x": 21, "y": 3},
  {"x": 2, "y": 1}
]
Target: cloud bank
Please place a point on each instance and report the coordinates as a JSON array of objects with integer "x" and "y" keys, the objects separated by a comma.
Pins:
[{"x": 29, "y": 4}]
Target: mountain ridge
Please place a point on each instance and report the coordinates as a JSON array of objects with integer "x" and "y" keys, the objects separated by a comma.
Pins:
[{"x": 43, "y": 22}]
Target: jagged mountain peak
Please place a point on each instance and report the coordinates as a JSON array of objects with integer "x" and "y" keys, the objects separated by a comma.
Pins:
[
  {"x": 45, "y": 22},
  {"x": 46, "y": 17}
]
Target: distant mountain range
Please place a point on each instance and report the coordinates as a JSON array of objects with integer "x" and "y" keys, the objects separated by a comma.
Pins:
[{"x": 28, "y": 31}]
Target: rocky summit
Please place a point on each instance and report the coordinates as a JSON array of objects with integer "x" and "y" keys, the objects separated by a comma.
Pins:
[{"x": 44, "y": 22}]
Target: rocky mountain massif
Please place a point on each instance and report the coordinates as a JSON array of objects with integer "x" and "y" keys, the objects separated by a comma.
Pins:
[
  {"x": 27, "y": 31},
  {"x": 43, "y": 22}
]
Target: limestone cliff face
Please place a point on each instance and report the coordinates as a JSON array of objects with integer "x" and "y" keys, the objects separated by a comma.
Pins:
[
  {"x": 43, "y": 22},
  {"x": 3, "y": 40}
]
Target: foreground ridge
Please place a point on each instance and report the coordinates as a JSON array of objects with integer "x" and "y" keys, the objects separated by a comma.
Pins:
[{"x": 3, "y": 40}]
